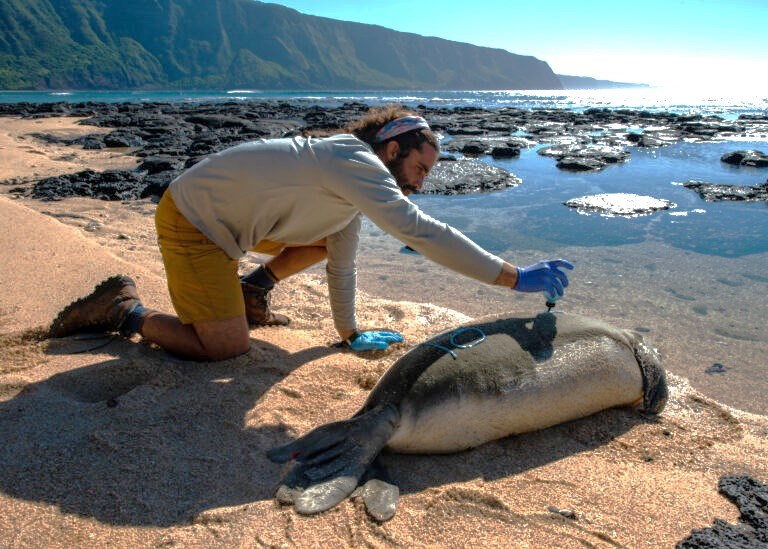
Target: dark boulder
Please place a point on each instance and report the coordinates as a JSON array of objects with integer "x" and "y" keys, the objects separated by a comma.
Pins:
[
  {"x": 580, "y": 164},
  {"x": 93, "y": 144},
  {"x": 218, "y": 121},
  {"x": 162, "y": 163},
  {"x": 645, "y": 140},
  {"x": 108, "y": 185},
  {"x": 577, "y": 157},
  {"x": 505, "y": 152},
  {"x": 464, "y": 176},
  {"x": 122, "y": 139},
  {"x": 712, "y": 192},
  {"x": 478, "y": 146},
  {"x": 755, "y": 159},
  {"x": 751, "y": 498},
  {"x": 474, "y": 148}
]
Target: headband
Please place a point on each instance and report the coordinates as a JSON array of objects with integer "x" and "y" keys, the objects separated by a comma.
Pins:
[{"x": 400, "y": 125}]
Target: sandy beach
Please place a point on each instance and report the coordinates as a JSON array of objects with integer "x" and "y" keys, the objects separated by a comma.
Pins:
[{"x": 112, "y": 442}]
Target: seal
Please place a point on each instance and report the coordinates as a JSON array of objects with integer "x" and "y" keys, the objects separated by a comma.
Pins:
[{"x": 495, "y": 377}]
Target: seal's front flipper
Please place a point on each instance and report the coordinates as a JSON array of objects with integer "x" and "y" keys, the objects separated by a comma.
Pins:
[{"x": 379, "y": 493}]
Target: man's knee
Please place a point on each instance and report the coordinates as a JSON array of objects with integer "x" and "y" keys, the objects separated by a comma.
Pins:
[
  {"x": 223, "y": 339},
  {"x": 216, "y": 353}
]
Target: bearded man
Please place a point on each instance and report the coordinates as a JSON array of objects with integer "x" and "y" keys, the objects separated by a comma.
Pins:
[{"x": 301, "y": 200}]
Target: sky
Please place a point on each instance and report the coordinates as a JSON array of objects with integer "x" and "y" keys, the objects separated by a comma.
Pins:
[{"x": 718, "y": 45}]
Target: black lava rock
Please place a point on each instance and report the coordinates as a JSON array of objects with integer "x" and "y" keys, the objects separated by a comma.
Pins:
[
  {"x": 464, "y": 176},
  {"x": 108, "y": 185},
  {"x": 751, "y": 497},
  {"x": 712, "y": 192},
  {"x": 756, "y": 159}
]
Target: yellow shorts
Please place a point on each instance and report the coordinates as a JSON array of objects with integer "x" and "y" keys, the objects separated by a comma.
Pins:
[{"x": 202, "y": 278}]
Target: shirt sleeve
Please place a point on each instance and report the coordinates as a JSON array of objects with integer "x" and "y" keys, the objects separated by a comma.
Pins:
[
  {"x": 373, "y": 191},
  {"x": 341, "y": 269}
]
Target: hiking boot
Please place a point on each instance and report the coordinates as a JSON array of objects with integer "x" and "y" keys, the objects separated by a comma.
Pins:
[
  {"x": 105, "y": 309},
  {"x": 257, "y": 307}
]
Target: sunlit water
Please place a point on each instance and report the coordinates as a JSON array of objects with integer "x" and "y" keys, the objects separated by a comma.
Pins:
[{"x": 693, "y": 279}]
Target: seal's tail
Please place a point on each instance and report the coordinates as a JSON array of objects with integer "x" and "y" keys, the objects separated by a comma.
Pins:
[{"x": 331, "y": 460}]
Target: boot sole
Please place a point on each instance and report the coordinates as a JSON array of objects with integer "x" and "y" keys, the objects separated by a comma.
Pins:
[
  {"x": 276, "y": 320},
  {"x": 59, "y": 326}
]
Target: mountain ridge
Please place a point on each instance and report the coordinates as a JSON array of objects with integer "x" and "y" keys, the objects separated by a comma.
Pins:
[{"x": 223, "y": 44}]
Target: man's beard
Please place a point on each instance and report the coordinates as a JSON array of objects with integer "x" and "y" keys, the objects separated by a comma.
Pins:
[{"x": 395, "y": 167}]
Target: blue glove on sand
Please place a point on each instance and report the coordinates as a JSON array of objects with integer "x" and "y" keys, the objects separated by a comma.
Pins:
[
  {"x": 543, "y": 276},
  {"x": 370, "y": 341}
]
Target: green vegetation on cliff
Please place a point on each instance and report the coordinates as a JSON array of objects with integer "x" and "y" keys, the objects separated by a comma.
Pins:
[{"x": 214, "y": 44}]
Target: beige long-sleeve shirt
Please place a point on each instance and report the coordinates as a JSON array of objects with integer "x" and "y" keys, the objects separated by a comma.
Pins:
[{"x": 300, "y": 190}]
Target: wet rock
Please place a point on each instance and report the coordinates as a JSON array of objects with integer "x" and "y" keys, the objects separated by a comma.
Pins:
[
  {"x": 477, "y": 146},
  {"x": 751, "y": 497},
  {"x": 646, "y": 140},
  {"x": 474, "y": 147},
  {"x": 580, "y": 164},
  {"x": 467, "y": 130},
  {"x": 578, "y": 157},
  {"x": 712, "y": 192},
  {"x": 505, "y": 152},
  {"x": 756, "y": 159},
  {"x": 623, "y": 204},
  {"x": 464, "y": 176}
]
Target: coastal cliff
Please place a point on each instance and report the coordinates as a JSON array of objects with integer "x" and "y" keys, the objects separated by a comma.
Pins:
[{"x": 224, "y": 44}]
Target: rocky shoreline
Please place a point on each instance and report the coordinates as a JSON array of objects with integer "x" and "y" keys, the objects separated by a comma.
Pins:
[{"x": 171, "y": 137}]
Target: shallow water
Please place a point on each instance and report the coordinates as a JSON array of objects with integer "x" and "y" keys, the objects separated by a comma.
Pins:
[{"x": 534, "y": 211}]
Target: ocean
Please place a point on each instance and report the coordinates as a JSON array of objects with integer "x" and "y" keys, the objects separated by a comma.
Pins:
[
  {"x": 693, "y": 279},
  {"x": 728, "y": 106}
]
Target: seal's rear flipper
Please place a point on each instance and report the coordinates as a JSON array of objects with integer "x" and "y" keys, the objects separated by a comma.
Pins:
[
  {"x": 380, "y": 494},
  {"x": 655, "y": 392},
  {"x": 333, "y": 458}
]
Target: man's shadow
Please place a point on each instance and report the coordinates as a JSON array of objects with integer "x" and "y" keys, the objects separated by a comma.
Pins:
[{"x": 144, "y": 439}]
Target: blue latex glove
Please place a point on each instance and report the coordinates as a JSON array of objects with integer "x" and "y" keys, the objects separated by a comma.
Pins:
[
  {"x": 370, "y": 341},
  {"x": 543, "y": 276}
]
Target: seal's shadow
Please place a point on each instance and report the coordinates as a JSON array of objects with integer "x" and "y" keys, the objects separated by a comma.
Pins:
[{"x": 134, "y": 440}]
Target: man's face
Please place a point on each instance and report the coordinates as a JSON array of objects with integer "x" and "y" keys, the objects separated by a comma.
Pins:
[{"x": 409, "y": 172}]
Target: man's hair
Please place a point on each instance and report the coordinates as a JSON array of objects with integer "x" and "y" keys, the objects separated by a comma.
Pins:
[{"x": 369, "y": 125}]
